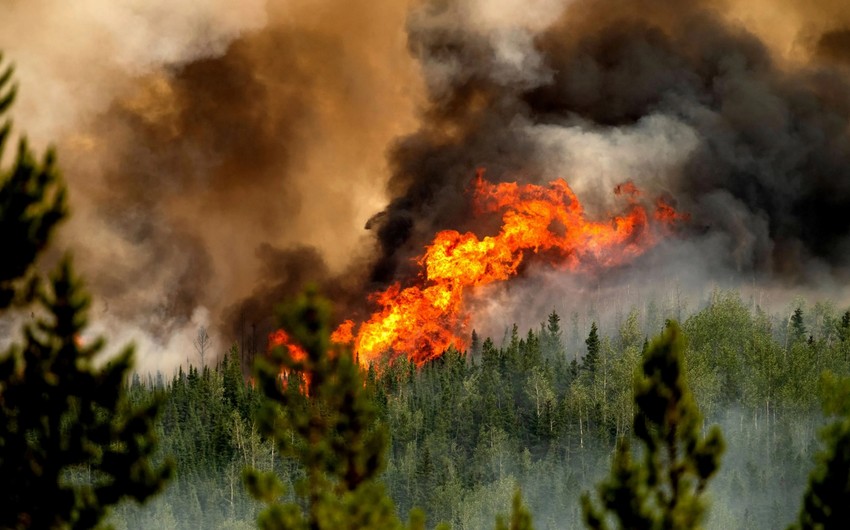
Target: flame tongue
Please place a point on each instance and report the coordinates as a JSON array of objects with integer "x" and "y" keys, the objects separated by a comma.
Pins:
[
  {"x": 279, "y": 339},
  {"x": 423, "y": 322}
]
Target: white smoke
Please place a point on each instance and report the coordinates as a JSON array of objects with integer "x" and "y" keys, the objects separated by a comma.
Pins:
[{"x": 73, "y": 59}]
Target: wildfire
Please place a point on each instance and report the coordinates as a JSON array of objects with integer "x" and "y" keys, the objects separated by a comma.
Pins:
[
  {"x": 549, "y": 222},
  {"x": 279, "y": 339}
]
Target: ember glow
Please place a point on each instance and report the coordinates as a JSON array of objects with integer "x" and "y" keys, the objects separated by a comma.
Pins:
[
  {"x": 280, "y": 339},
  {"x": 549, "y": 223}
]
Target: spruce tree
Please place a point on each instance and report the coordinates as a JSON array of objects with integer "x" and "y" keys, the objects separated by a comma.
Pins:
[
  {"x": 320, "y": 416},
  {"x": 32, "y": 203},
  {"x": 844, "y": 327},
  {"x": 552, "y": 343},
  {"x": 319, "y": 413},
  {"x": 798, "y": 327},
  {"x": 825, "y": 502},
  {"x": 71, "y": 444},
  {"x": 661, "y": 486},
  {"x": 591, "y": 358}
]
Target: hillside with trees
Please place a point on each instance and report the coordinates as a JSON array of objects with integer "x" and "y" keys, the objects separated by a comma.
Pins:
[{"x": 538, "y": 411}]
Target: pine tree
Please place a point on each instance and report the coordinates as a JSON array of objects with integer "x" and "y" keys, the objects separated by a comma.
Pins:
[
  {"x": 591, "y": 358},
  {"x": 32, "y": 203},
  {"x": 844, "y": 328},
  {"x": 662, "y": 487},
  {"x": 321, "y": 416},
  {"x": 552, "y": 343},
  {"x": 71, "y": 444},
  {"x": 798, "y": 327},
  {"x": 474, "y": 345},
  {"x": 323, "y": 419},
  {"x": 825, "y": 503}
]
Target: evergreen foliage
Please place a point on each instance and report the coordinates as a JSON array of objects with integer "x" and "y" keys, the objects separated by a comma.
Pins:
[
  {"x": 320, "y": 416},
  {"x": 71, "y": 445},
  {"x": 591, "y": 358},
  {"x": 464, "y": 434},
  {"x": 32, "y": 202},
  {"x": 825, "y": 502},
  {"x": 661, "y": 488},
  {"x": 798, "y": 326}
]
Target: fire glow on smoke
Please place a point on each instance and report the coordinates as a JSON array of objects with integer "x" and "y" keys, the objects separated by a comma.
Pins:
[{"x": 424, "y": 320}]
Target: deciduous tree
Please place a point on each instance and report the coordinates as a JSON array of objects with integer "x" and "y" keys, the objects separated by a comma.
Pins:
[{"x": 661, "y": 487}]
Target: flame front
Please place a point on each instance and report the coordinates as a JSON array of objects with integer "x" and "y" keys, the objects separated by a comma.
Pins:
[
  {"x": 279, "y": 339},
  {"x": 422, "y": 321}
]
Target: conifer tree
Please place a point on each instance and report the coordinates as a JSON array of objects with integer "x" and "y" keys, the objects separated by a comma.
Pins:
[
  {"x": 32, "y": 202},
  {"x": 321, "y": 416},
  {"x": 552, "y": 337},
  {"x": 844, "y": 327},
  {"x": 661, "y": 487},
  {"x": 825, "y": 502},
  {"x": 71, "y": 445},
  {"x": 520, "y": 516},
  {"x": 591, "y": 359},
  {"x": 798, "y": 327},
  {"x": 323, "y": 419}
]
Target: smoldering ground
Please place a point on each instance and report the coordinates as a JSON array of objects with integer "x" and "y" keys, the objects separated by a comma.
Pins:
[{"x": 220, "y": 158}]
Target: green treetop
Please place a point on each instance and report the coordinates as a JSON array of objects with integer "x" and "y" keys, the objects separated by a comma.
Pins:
[
  {"x": 591, "y": 359},
  {"x": 825, "y": 502},
  {"x": 662, "y": 486},
  {"x": 70, "y": 443},
  {"x": 319, "y": 414}
]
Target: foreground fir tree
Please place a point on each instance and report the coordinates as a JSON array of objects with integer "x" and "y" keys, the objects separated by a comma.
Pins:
[
  {"x": 70, "y": 445},
  {"x": 319, "y": 414},
  {"x": 32, "y": 202},
  {"x": 826, "y": 502},
  {"x": 661, "y": 486},
  {"x": 520, "y": 516}
]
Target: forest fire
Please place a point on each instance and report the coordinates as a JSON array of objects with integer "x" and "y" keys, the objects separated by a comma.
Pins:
[
  {"x": 422, "y": 321},
  {"x": 279, "y": 338}
]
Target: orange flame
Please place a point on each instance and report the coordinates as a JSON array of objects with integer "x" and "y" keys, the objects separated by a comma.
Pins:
[
  {"x": 344, "y": 334},
  {"x": 280, "y": 339},
  {"x": 423, "y": 321}
]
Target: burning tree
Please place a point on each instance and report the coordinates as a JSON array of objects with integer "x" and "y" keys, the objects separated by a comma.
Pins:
[
  {"x": 546, "y": 223},
  {"x": 70, "y": 443},
  {"x": 319, "y": 414}
]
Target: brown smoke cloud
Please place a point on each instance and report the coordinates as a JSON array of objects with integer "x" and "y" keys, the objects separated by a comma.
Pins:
[{"x": 203, "y": 142}]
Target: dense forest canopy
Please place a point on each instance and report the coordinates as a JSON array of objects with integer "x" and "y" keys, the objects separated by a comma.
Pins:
[{"x": 540, "y": 409}]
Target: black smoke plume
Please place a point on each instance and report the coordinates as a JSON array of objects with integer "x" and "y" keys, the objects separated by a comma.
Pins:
[{"x": 767, "y": 180}]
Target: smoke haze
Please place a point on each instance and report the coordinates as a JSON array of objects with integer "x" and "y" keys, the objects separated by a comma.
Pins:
[{"x": 220, "y": 155}]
